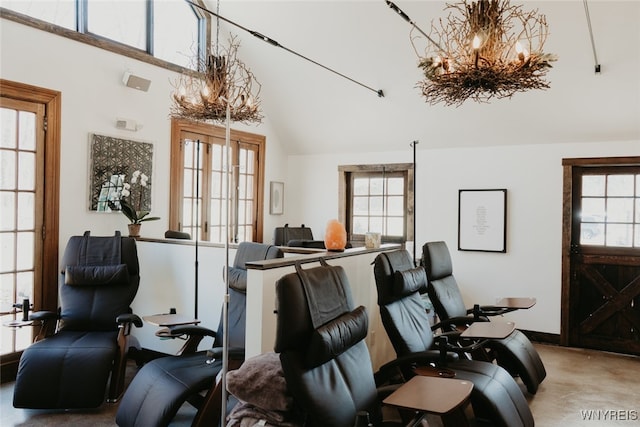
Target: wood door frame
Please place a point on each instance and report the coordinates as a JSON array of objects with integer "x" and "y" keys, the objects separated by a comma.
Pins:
[
  {"x": 567, "y": 224},
  {"x": 48, "y": 294},
  {"x": 178, "y": 126}
]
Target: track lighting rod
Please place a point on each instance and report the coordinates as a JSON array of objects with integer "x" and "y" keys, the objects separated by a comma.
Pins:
[
  {"x": 404, "y": 16},
  {"x": 273, "y": 42},
  {"x": 593, "y": 43}
]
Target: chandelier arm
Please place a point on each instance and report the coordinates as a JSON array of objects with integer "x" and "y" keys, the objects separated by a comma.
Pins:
[{"x": 273, "y": 42}]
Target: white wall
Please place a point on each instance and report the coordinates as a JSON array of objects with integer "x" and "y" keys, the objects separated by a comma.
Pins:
[
  {"x": 533, "y": 177},
  {"x": 93, "y": 95}
]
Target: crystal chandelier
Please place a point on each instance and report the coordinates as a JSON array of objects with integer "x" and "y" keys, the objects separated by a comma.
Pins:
[{"x": 483, "y": 49}]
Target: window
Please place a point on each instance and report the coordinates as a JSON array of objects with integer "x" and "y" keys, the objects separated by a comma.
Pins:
[
  {"x": 610, "y": 205},
  {"x": 135, "y": 28},
  {"x": 377, "y": 198},
  {"x": 125, "y": 22},
  {"x": 58, "y": 12},
  {"x": 178, "y": 47},
  {"x": 198, "y": 169}
]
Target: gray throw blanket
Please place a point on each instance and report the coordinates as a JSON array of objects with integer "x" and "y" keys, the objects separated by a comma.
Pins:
[{"x": 260, "y": 386}]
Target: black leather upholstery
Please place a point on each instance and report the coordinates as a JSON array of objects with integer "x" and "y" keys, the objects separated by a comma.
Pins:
[
  {"x": 175, "y": 234},
  {"x": 333, "y": 387},
  {"x": 495, "y": 396},
  {"x": 70, "y": 369},
  {"x": 515, "y": 353},
  {"x": 282, "y": 235},
  {"x": 163, "y": 385}
]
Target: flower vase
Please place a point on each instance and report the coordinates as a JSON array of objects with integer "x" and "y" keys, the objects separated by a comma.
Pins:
[{"x": 134, "y": 230}]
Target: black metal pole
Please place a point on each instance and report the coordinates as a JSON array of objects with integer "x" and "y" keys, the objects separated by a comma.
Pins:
[
  {"x": 415, "y": 177},
  {"x": 197, "y": 231}
]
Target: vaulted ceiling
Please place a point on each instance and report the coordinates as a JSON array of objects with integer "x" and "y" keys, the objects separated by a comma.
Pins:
[{"x": 313, "y": 110}]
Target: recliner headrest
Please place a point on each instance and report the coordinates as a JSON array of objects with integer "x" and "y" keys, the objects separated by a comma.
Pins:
[
  {"x": 95, "y": 275},
  {"x": 436, "y": 260},
  {"x": 304, "y": 309},
  {"x": 384, "y": 267},
  {"x": 335, "y": 337},
  {"x": 409, "y": 281}
]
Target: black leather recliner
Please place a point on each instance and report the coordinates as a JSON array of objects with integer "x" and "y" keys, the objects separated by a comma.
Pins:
[
  {"x": 163, "y": 385},
  {"x": 326, "y": 363},
  {"x": 85, "y": 343},
  {"x": 514, "y": 353},
  {"x": 495, "y": 398}
]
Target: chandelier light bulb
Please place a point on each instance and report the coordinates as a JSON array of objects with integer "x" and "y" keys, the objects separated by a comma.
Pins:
[
  {"x": 523, "y": 54},
  {"x": 476, "y": 42}
]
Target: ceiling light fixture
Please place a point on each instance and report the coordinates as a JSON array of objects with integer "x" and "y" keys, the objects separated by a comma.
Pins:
[
  {"x": 223, "y": 88},
  {"x": 483, "y": 49}
]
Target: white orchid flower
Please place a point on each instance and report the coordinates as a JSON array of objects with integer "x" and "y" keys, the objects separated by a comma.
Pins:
[{"x": 125, "y": 192}]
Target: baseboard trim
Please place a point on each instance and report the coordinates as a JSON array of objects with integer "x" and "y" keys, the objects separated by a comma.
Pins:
[{"x": 542, "y": 337}]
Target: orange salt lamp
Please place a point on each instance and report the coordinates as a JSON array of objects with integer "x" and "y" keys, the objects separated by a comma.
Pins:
[{"x": 335, "y": 236}]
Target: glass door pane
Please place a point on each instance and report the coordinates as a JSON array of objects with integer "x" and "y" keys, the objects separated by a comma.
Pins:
[{"x": 20, "y": 218}]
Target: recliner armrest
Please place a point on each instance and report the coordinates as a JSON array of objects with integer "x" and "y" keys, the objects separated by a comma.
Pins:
[
  {"x": 390, "y": 369},
  {"x": 43, "y": 315},
  {"x": 192, "y": 330},
  {"x": 456, "y": 321},
  {"x": 442, "y": 342},
  {"x": 488, "y": 311},
  {"x": 129, "y": 318}
]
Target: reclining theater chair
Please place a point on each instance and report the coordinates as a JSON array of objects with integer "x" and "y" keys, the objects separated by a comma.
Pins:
[
  {"x": 163, "y": 385},
  {"x": 496, "y": 398},
  {"x": 70, "y": 368},
  {"x": 515, "y": 352},
  {"x": 325, "y": 360}
]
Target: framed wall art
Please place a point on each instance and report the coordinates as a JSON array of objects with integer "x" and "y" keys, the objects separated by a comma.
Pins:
[
  {"x": 482, "y": 220},
  {"x": 113, "y": 161},
  {"x": 276, "y": 199}
]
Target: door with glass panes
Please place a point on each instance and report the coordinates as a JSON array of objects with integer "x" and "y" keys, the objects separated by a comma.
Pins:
[
  {"x": 604, "y": 274},
  {"x": 21, "y": 214}
]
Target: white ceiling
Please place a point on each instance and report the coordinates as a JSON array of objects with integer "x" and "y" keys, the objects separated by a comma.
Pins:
[{"x": 315, "y": 111}]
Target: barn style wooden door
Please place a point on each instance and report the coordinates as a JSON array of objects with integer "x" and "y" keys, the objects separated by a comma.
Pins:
[{"x": 601, "y": 260}]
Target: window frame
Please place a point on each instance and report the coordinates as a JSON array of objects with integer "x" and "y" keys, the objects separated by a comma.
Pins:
[
  {"x": 606, "y": 171},
  {"x": 213, "y": 132},
  {"x": 346, "y": 173},
  {"x": 80, "y": 35}
]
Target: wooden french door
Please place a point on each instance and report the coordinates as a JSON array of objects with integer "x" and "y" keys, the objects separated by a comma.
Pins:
[
  {"x": 29, "y": 201},
  {"x": 601, "y": 259}
]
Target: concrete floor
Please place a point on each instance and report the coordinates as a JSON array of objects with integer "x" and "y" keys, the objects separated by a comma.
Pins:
[{"x": 582, "y": 388}]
